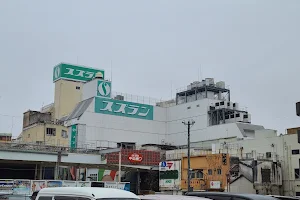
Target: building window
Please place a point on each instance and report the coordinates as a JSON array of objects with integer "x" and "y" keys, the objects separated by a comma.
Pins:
[
  {"x": 39, "y": 142},
  {"x": 219, "y": 171},
  {"x": 77, "y": 88},
  {"x": 298, "y": 134},
  {"x": 297, "y": 172},
  {"x": 266, "y": 175},
  {"x": 295, "y": 151},
  {"x": 50, "y": 132},
  {"x": 28, "y": 136},
  {"x": 297, "y": 194},
  {"x": 197, "y": 173},
  {"x": 209, "y": 172},
  {"x": 189, "y": 107},
  {"x": 64, "y": 134}
]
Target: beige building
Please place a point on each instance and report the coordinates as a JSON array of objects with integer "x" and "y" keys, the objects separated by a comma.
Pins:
[
  {"x": 46, "y": 126},
  {"x": 66, "y": 96}
]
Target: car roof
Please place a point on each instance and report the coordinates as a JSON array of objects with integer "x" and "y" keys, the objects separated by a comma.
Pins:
[
  {"x": 247, "y": 196},
  {"x": 94, "y": 192},
  {"x": 167, "y": 197},
  {"x": 283, "y": 197}
]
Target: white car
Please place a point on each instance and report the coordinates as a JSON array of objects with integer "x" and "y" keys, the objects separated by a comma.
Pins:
[
  {"x": 169, "y": 197},
  {"x": 84, "y": 193}
]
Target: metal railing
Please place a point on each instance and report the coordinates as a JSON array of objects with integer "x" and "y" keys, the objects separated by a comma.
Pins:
[{"x": 25, "y": 147}]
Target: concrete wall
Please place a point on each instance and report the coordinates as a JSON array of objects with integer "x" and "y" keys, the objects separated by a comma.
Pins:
[
  {"x": 242, "y": 186},
  {"x": 108, "y": 130},
  {"x": 37, "y": 134},
  {"x": 166, "y": 127},
  {"x": 66, "y": 97}
]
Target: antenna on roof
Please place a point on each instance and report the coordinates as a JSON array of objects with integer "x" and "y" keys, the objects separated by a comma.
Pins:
[
  {"x": 111, "y": 70},
  {"x": 171, "y": 89}
]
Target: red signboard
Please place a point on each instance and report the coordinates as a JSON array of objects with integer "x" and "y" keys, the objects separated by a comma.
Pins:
[
  {"x": 135, "y": 157},
  {"x": 149, "y": 158}
]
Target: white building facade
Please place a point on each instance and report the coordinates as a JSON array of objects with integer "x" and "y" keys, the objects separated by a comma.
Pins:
[{"x": 100, "y": 120}]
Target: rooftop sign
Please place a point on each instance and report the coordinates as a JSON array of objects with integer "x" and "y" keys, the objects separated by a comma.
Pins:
[
  {"x": 74, "y": 72},
  {"x": 123, "y": 108}
]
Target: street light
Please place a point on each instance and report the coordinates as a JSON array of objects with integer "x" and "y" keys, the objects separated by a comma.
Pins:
[{"x": 189, "y": 124}]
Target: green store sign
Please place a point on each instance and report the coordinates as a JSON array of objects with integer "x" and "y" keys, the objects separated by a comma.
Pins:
[
  {"x": 74, "y": 72},
  {"x": 104, "y": 89},
  {"x": 73, "y": 143},
  {"x": 123, "y": 108}
]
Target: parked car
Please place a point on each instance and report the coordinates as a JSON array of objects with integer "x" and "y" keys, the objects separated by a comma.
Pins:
[
  {"x": 229, "y": 196},
  {"x": 169, "y": 197},
  {"x": 84, "y": 193},
  {"x": 284, "y": 197}
]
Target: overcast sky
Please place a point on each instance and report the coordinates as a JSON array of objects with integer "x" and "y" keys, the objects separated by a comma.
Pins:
[{"x": 254, "y": 46}]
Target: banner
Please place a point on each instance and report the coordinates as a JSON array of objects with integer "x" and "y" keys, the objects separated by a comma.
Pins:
[
  {"x": 6, "y": 186},
  {"x": 21, "y": 187},
  {"x": 69, "y": 184},
  {"x": 54, "y": 184},
  {"x": 124, "y": 186},
  {"x": 37, "y": 185},
  {"x": 111, "y": 185},
  {"x": 83, "y": 184}
]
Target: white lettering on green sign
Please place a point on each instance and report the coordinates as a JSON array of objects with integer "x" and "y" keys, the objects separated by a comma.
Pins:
[
  {"x": 123, "y": 108},
  {"x": 73, "y": 143},
  {"x": 74, "y": 72},
  {"x": 168, "y": 181}
]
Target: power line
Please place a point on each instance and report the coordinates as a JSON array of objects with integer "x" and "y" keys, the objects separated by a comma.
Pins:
[{"x": 5, "y": 115}]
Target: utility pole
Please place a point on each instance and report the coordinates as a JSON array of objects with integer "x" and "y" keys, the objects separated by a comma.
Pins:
[{"x": 189, "y": 124}]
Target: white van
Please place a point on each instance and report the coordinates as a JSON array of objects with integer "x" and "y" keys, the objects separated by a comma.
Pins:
[{"x": 84, "y": 193}]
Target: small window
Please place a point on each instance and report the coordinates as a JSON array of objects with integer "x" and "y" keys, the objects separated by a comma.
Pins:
[
  {"x": 222, "y": 103},
  {"x": 197, "y": 173},
  {"x": 77, "y": 88},
  {"x": 64, "y": 134},
  {"x": 209, "y": 172},
  {"x": 295, "y": 151},
  {"x": 189, "y": 107},
  {"x": 268, "y": 154},
  {"x": 298, "y": 134},
  {"x": 297, "y": 194},
  {"x": 198, "y": 105},
  {"x": 297, "y": 172},
  {"x": 39, "y": 142},
  {"x": 219, "y": 171},
  {"x": 50, "y": 132}
]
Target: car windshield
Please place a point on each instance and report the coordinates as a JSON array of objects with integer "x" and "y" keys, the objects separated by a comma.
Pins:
[{"x": 14, "y": 197}]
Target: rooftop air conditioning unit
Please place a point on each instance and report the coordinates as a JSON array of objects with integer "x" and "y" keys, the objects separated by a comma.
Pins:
[
  {"x": 220, "y": 84},
  {"x": 209, "y": 81},
  {"x": 223, "y": 104},
  {"x": 227, "y": 119},
  {"x": 239, "y": 117},
  {"x": 119, "y": 97},
  {"x": 235, "y": 106},
  {"x": 195, "y": 84},
  {"x": 229, "y": 105},
  {"x": 247, "y": 118}
]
